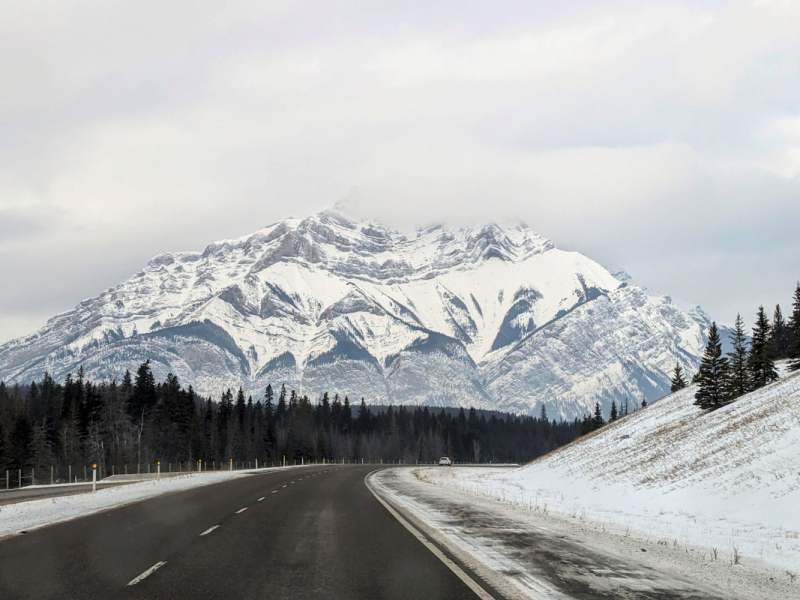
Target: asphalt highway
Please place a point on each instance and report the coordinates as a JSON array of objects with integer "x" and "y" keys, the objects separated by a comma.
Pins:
[{"x": 314, "y": 532}]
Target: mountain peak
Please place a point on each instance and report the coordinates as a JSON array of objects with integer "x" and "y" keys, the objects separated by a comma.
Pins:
[{"x": 488, "y": 315}]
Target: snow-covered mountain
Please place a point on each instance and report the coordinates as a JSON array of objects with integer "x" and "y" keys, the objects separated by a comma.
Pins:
[{"x": 491, "y": 317}]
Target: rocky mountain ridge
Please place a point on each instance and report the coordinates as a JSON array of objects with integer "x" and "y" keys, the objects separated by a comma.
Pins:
[{"x": 492, "y": 317}]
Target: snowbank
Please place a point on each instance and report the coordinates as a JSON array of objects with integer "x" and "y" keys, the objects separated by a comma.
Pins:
[
  {"x": 26, "y": 516},
  {"x": 727, "y": 480}
]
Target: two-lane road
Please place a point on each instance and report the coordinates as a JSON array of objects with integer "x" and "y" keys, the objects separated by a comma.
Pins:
[{"x": 315, "y": 532}]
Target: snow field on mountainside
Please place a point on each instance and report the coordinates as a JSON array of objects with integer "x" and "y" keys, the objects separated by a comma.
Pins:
[
  {"x": 501, "y": 316},
  {"x": 728, "y": 481},
  {"x": 33, "y": 514}
]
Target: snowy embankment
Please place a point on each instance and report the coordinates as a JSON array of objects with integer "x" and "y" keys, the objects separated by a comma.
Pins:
[
  {"x": 728, "y": 480},
  {"x": 26, "y": 516}
]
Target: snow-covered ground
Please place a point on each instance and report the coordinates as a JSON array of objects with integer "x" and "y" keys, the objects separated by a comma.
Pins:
[
  {"x": 26, "y": 516},
  {"x": 725, "y": 483}
]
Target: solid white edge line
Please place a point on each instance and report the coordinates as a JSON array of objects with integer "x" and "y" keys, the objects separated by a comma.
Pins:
[
  {"x": 471, "y": 584},
  {"x": 209, "y": 530},
  {"x": 241, "y": 510},
  {"x": 147, "y": 573}
]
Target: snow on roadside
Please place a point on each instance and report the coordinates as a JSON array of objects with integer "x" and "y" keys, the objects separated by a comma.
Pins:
[
  {"x": 728, "y": 480},
  {"x": 36, "y": 513},
  {"x": 521, "y": 552}
]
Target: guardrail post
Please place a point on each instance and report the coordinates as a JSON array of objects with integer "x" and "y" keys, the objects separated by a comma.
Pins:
[
  {"x": 19, "y": 477},
  {"x": 159, "y": 470},
  {"x": 6, "y": 478},
  {"x": 69, "y": 479},
  {"x": 94, "y": 478},
  {"x": 85, "y": 477}
]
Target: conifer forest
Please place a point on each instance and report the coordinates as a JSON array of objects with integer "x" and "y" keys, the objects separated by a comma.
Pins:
[
  {"x": 50, "y": 428},
  {"x": 51, "y": 431}
]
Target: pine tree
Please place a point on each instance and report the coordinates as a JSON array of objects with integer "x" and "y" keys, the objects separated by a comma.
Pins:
[
  {"x": 712, "y": 377},
  {"x": 4, "y": 457},
  {"x": 21, "y": 441},
  {"x": 779, "y": 336},
  {"x": 598, "y": 416},
  {"x": 678, "y": 380},
  {"x": 793, "y": 350},
  {"x": 739, "y": 379},
  {"x": 613, "y": 416},
  {"x": 644, "y": 402},
  {"x": 586, "y": 425},
  {"x": 543, "y": 414},
  {"x": 760, "y": 363},
  {"x": 144, "y": 393}
]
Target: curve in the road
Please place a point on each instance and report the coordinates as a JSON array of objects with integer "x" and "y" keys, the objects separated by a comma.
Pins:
[{"x": 326, "y": 536}]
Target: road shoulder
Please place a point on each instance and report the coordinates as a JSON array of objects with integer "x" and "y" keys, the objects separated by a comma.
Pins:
[{"x": 527, "y": 554}]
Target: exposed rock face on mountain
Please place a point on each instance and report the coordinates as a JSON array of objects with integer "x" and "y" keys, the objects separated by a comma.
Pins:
[{"x": 488, "y": 316}]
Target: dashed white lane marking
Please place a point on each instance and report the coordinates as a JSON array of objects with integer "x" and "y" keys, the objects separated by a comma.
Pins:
[
  {"x": 274, "y": 492},
  {"x": 147, "y": 573},
  {"x": 262, "y": 497},
  {"x": 209, "y": 530},
  {"x": 285, "y": 486},
  {"x": 241, "y": 510}
]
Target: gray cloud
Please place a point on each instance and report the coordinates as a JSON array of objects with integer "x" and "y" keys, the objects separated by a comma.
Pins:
[{"x": 662, "y": 137}]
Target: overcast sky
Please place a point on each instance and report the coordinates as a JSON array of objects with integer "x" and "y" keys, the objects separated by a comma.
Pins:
[{"x": 662, "y": 137}]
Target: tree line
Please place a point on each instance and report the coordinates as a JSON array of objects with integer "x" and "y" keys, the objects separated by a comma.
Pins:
[
  {"x": 750, "y": 365},
  {"x": 138, "y": 422},
  {"x": 721, "y": 379}
]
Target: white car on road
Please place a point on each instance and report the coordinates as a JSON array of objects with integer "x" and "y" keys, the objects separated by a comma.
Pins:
[{"x": 445, "y": 462}]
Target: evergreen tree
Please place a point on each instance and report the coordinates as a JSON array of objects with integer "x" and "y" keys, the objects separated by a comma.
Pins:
[
  {"x": 712, "y": 377},
  {"x": 644, "y": 402},
  {"x": 144, "y": 393},
  {"x": 760, "y": 361},
  {"x": 598, "y": 416},
  {"x": 678, "y": 380},
  {"x": 21, "y": 441},
  {"x": 613, "y": 416},
  {"x": 4, "y": 456},
  {"x": 587, "y": 425},
  {"x": 281, "y": 413},
  {"x": 543, "y": 414},
  {"x": 779, "y": 335},
  {"x": 739, "y": 378},
  {"x": 793, "y": 350}
]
